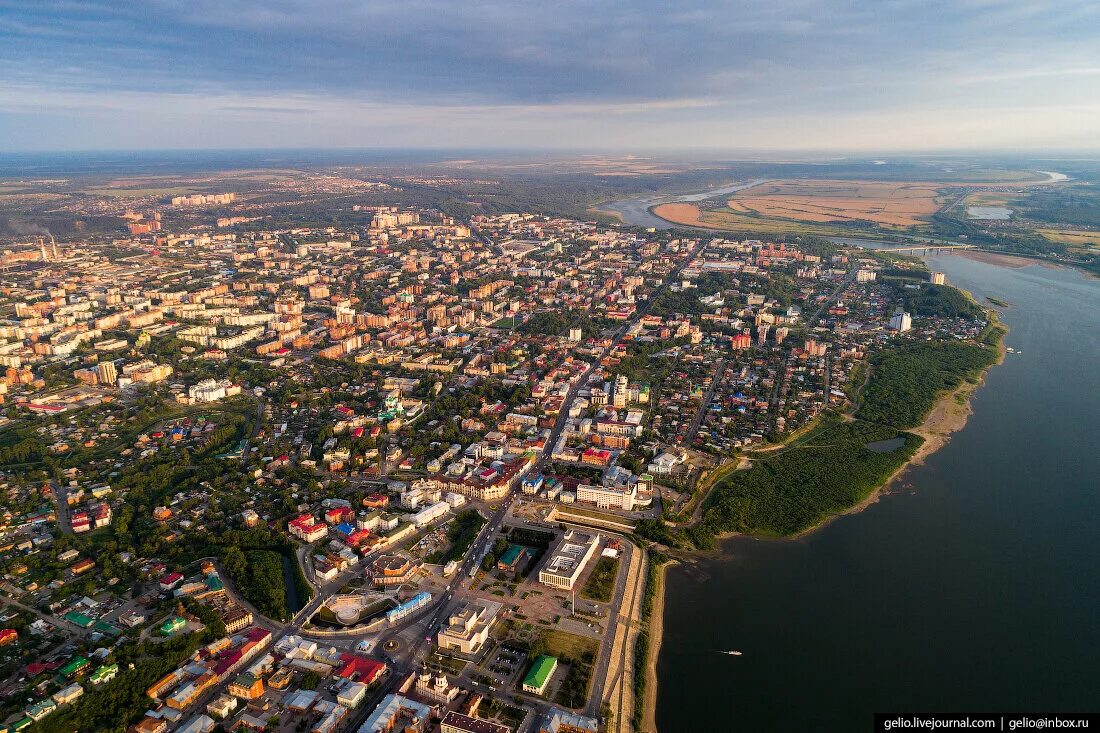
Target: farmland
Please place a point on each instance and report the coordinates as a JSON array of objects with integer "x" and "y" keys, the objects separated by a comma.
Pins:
[
  {"x": 1074, "y": 238},
  {"x": 882, "y": 203},
  {"x": 823, "y": 207}
]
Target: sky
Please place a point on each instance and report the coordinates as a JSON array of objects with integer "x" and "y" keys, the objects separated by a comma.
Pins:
[{"x": 866, "y": 75}]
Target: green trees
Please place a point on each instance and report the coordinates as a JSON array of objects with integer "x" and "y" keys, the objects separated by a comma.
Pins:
[
  {"x": 906, "y": 381},
  {"x": 462, "y": 533},
  {"x": 550, "y": 323},
  {"x": 940, "y": 301},
  {"x": 601, "y": 582},
  {"x": 797, "y": 488},
  {"x": 264, "y": 585}
]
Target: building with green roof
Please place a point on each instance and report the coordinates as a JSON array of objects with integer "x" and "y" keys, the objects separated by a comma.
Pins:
[
  {"x": 538, "y": 677},
  {"x": 510, "y": 559},
  {"x": 75, "y": 667},
  {"x": 107, "y": 628},
  {"x": 106, "y": 673},
  {"x": 78, "y": 618},
  {"x": 172, "y": 625}
]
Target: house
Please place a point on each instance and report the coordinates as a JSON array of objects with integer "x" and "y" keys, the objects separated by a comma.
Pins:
[
  {"x": 170, "y": 581},
  {"x": 246, "y": 687}
]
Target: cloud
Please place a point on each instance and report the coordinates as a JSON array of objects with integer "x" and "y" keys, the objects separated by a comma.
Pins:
[{"x": 686, "y": 66}]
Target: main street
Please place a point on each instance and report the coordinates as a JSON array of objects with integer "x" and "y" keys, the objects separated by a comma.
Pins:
[
  {"x": 582, "y": 380},
  {"x": 697, "y": 422}
]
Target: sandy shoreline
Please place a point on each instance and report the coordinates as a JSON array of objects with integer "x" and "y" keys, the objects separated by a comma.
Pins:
[
  {"x": 605, "y": 212},
  {"x": 1014, "y": 262},
  {"x": 656, "y": 634}
]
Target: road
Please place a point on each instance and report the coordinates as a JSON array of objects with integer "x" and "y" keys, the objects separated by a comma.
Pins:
[
  {"x": 52, "y": 620},
  {"x": 719, "y": 370},
  {"x": 255, "y": 428},
  {"x": 60, "y": 494},
  {"x": 773, "y": 402},
  {"x": 571, "y": 395},
  {"x": 618, "y": 614},
  {"x": 828, "y": 302}
]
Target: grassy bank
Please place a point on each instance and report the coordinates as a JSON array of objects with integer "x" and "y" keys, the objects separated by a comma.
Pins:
[
  {"x": 841, "y": 463},
  {"x": 642, "y": 651}
]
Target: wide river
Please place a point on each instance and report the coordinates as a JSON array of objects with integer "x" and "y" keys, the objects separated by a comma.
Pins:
[{"x": 972, "y": 585}]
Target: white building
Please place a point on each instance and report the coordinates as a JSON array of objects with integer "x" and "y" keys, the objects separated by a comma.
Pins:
[
  {"x": 210, "y": 390},
  {"x": 901, "y": 322},
  {"x": 430, "y": 513},
  {"x": 467, "y": 629},
  {"x": 568, "y": 559},
  {"x": 609, "y": 497}
]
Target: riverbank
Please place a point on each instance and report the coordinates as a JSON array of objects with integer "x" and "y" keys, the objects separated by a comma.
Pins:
[
  {"x": 948, "y": 415},
  {"x": 656, "y": 636},
  {"x": 1011, "y": 533}
]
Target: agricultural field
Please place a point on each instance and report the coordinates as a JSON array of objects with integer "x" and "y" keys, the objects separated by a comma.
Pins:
[
  {"x": 885, "y": 204},
  {"x": 726, "y": 220},
  {"x": 822, "y": 207},
  {"x": 993, "y": 198},
  {"x": 1076, "y": 239}
]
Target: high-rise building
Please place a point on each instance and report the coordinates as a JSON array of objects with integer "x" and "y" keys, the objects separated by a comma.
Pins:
[
  {"x": 618, "y": 399},
  {"x": 901, "y": 322},
  {"x": 106, "y": 372}
]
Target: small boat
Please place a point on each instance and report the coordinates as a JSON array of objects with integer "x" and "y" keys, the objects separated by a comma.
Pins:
[{"x": 733, "y": 653}]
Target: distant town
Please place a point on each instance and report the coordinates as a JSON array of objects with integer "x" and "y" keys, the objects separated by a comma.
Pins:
[{"x": 402, "y": 474}]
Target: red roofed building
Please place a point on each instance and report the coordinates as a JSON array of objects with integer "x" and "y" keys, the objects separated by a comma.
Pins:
[
  {"x": 596, "y": 457},
  {"x": 339, "y": 514},
  {"x": 361, "y": 669},
  {"x": 256, "y": 634},
  {"x": 358, "y": 537},
  {"x": 376, "y": 501},
  {"x": 306, "y": 528},
  {"x": 170, "y": 581}
]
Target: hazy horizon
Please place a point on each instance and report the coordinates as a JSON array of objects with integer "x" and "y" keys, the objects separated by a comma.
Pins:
[{"x": 796, "y": 75}]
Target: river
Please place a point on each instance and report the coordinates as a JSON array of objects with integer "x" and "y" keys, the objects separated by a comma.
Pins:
[
  {"x": 972, "y": 585},
  {"x": 635, "y": 211}
]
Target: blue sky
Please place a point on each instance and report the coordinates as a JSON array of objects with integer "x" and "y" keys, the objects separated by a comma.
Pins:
[{"x": 784, "y": 74}]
